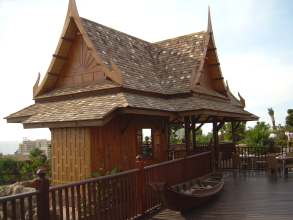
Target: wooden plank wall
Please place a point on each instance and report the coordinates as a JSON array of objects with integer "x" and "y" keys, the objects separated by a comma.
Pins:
[
  {"x": 78, "y": 153},
  {"x": 71, "y": 154},
  {"x": 115, "y": 145}
]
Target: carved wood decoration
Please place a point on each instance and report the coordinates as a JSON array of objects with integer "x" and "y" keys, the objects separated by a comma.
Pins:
[
  {"x": 81, "y": 68},
  {"x": 211, "y": 76}
]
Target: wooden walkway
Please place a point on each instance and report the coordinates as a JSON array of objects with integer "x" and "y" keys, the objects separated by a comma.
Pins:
[{"x": 247, "y": 195}]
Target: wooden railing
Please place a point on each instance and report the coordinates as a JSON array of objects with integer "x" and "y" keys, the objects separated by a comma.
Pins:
[
  {"x": 249, "y": 158},
  {"x": 178, "y": 150},
  {"x": 125, "y": 195},
  {"x": 231, "y": 157},
  {"x": 173, "y": 172},
  {"x": 21, "y": 206}
]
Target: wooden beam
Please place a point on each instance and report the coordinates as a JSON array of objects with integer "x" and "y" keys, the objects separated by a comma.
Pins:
[
  {"x": 168, "y": 135},
  {"x": 220, "y": 125},
  {"x": 237, "y": 125},
  {"x": 233, "y": 130},
  {"x": 199, "y": 126},
  {"x": 193, "y": 125},
  {"x": 59, "y": 57},
  {"x": 216, "y": 144},
  {"x": 187, "y": 133}
]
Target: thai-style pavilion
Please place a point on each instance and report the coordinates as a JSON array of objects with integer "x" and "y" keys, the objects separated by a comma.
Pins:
[{"x": 104, "y": 86}]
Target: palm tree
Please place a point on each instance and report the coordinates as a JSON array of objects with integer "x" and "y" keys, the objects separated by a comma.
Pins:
[{"x": 272, "y": 115}]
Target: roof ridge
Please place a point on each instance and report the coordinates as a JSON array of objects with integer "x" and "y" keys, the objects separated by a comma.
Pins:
[
  {"x": 137, "y": 38},
  {"x": 121, "y": 32},
  {"x": 181, "y": 36}
]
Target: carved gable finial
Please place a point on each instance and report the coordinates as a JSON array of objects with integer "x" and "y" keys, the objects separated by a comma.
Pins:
[
  {"x": 210, "y": 27},
  {"x": 36, "y": 85},
  {"x": 227, "y": 86},
  {"x": 242, "y": 100},
  {"x": 72, "y": 9}
]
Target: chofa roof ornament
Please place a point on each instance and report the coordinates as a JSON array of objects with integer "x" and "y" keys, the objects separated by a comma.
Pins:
[
  {"x": 36, "y": 85},
  {"x": 242, "y": 100}
]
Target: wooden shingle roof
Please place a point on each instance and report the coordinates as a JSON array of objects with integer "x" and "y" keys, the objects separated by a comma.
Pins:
[
  {"x": 99, "y": 107},
  {"x": 163, "y": 78},
  {"x": 163, "y": 67}
]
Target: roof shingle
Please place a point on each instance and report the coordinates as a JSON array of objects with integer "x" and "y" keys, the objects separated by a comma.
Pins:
[{"x": 97, "y": 107}]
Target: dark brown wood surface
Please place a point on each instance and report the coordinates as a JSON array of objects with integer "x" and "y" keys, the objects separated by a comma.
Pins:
[
  {"x": 78, "y": 153},
  {"x": 246, "y": 195}
]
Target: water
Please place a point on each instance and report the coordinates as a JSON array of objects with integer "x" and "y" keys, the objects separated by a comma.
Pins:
[{"x": 8, "y": 147}]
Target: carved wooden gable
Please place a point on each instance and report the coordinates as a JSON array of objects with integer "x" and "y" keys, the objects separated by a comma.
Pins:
[
  {"x": 80, "y": 67},
  {"x": 212, "y": 77}
]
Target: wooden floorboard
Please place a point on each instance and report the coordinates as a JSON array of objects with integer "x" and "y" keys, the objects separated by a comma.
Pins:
[{"x": 246, "y": 195}]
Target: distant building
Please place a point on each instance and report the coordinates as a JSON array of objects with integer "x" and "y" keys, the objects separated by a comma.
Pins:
[{"x": 28, "y": 145}]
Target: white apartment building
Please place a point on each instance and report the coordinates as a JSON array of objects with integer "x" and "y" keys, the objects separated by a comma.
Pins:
[{"x": 27, "y": 145}]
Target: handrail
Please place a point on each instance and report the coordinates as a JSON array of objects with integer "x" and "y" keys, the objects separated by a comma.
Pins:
[
  {"x": 91, "y": 180},
  {"x": 18, "y": 196}
]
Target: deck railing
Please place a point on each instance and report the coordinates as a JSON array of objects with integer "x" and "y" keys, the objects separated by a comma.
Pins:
[
  {"x": 232, "y": 157},
  {"x": 21, "y": 206},
  {"x": 125, "y": 195},
  {"x": 178, "y": 150},
  {"x": 253, "y": 158}
]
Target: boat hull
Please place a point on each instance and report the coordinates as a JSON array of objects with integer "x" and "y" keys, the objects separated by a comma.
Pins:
[{"x": 184, "y": 200}]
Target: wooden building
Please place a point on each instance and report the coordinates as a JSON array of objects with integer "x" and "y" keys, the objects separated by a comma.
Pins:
[{"x": 103, "y": 87}]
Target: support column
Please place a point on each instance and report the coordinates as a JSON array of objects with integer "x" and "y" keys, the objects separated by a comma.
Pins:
[
  {"x": 193, "y": 123},
  {"x": 233, "y": 128},
  {"x": 216, "y": 144},
  {"x": 168, "y": 139},
  {"x": 187, "y": 133}
]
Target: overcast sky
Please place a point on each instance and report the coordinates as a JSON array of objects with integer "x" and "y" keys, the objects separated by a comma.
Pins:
[{"x": 253, "y": 38}]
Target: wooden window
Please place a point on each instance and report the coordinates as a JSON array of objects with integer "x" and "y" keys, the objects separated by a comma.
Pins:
[{"x": 145, "y": 142}]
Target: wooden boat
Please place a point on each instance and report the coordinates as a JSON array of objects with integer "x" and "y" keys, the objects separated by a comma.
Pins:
[{"x": 191, "y": 194}]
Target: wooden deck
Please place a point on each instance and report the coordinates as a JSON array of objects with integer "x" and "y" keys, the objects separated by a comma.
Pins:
[{"x": 247, "y": 195}]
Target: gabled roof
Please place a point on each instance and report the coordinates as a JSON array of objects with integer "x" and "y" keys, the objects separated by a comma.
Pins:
[
  {"x": 165, "y": 67},
  {"x": 172, "y": 77}
]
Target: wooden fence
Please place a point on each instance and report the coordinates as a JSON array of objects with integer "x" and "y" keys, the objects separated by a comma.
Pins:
[
  {"x": 178, "y": 150},
  {"x": 232, "y": 157},
  {"x": 252, "y": 158},
  {"x": 125, "y": 195}
]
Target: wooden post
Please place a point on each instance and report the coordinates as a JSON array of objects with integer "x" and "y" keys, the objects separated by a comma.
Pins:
[
  {"x": 168, "y": 140},
  {"x": 216, "y": 144},
  {"x": 42, "y": 185},
  {"x": 141, "y": 185},
  {"x": 193, "y": 133},
  {"x": 233, "y": 128},
  {"x": 187, "y": 133}
]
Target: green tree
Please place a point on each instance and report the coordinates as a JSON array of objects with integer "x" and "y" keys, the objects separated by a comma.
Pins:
[
  {"x": 226, "y": 130},
  {"x": 289, "y": 120},
  {"x": 203, "y": 138},
  {"x": 258, "y": 136},
  {"x": 174, "y": 138},
  {"x": 281, "y": 138},
  {"x": 9, "y": 171},
  {"x": 37, "y": 159},
  {"x": 271, "y": 113}
]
